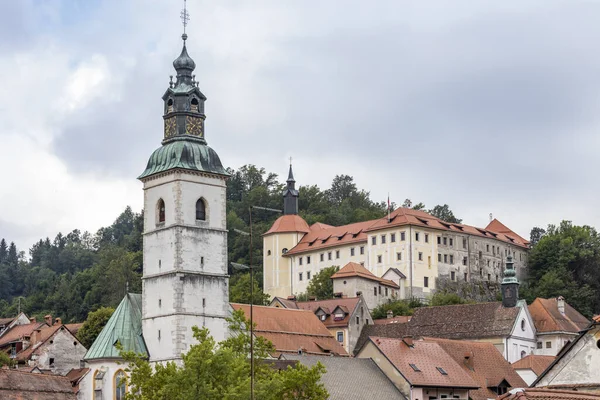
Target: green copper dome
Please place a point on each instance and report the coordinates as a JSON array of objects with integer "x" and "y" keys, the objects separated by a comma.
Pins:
[{"x": 184, "y": 153}]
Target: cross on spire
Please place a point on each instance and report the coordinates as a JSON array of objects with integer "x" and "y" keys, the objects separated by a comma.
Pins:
[{"x": 185, "y": 17}]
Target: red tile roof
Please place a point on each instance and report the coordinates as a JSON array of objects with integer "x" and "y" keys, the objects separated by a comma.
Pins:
[
  {"x": 74, "y": 328},
  {"x": 485, "y": 365},
  {"x": 331, "y": 237},
  {"x": 427, "y": 357},
  {"x": 16, "y": 385},
  {"x": 401, "y": 319},
  {"x": 352, "y": 270},
  {"x": 291, "y": 330},
  {"x": 499, "y": 227},
  {"x": 289, "y": 223},
  {"x": 548, "y": 394},
  {"x": 286, "y": 303},
  {"x": 346, "y": 304},
  {"x": 536, "y": 363},
  {"x": 17, "y": 332},
  {"x": 76, "y": 374},
  {"x": 41, "y": 336},
  {"x": 547, "y": 317}
]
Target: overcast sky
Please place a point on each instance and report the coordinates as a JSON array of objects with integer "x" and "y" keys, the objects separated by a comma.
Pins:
[{"x": 489, "y": 106}]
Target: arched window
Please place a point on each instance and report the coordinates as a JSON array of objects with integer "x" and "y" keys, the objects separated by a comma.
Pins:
[
  {"x": 97, "y": 384},
  {"x": 200, "y": 210},
  {"x": 160, "y": 208},
  {"x": 120, "y": 386},
  {"x": 170, "y": 105},
  {"x": 194, "y": 104}
]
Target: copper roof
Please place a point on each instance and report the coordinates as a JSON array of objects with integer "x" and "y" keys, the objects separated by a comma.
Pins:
[
  {"x": 347, "y": 305},
  {"x": 353, "y": 269},
  {"x": 547, "y": 317},
  {"x": 485, "y": 364},
  {"x": 289, "y": 223},
  {"x": 464, "y": 321},
  {"x": 291, "y": 330},
  {"x": 16, "y": 385},
  {"x": 17, "y": 332},
  {"x": 429, "y": 362},
  {"x": 536, "y": 363},
  {"x": 548, "y": 394}
]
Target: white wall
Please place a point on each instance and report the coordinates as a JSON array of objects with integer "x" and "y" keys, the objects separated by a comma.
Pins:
[{"x": 527, "y": 374}]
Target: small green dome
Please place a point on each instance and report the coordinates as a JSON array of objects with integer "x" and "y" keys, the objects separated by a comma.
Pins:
[{"x": 184, "y": 153}]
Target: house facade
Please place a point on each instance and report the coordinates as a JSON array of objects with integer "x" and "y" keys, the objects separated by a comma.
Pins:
[
  {"x": 355, "y": 280},
  {"x": 421, "y": 247},
  {"x": 532, "y": 366}
]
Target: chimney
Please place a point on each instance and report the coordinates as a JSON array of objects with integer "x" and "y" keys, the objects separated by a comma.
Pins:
[
  {"x": 48, "y": 319},
  {"x": 58, "y": 321},
  {"x": 561, "y": 304},
  {"x": 408, "y": 340},
  {"x": 293, "y": 298},
  {"x": 33, "y": 320},
  {"x": 469, "y": 360},
  {"x": 390, "y": 314}
]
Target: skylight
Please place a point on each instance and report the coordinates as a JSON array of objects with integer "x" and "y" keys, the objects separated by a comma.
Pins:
[
  {"x": 441, "y": 370},
  {"x": 415, "y": 368}
]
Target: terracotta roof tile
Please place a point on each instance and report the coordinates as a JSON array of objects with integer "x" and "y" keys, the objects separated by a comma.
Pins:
[
  {"x": 331, "y": 237},
  {"x": 547, "y": 317},
  {"x": 74, "y": 328},
  {"x": 76, "y": 374},
  {"x": 5, "y": 321},
  {"x": 287, "y": 303},
  {"x": 485, "y": 365},
  {"x": 16, "y": 385},
  {"x": 397, "y": 331},
  {"x": 289, "y": 223},
  {"x": 290, "y": 330},
  {"x": 499, "y": 227},
  {"x": 536, "y": 363},
  {"x": 17, "y": 332},
  {"x": 548, "y": 394},
  {"x": 426, "y": 357},
  {"x": 464, "y": 321},
  {"x": 353, "y": 269},
  {"x": 346, "y": 304},
  {"x": 41, "y": 336}
]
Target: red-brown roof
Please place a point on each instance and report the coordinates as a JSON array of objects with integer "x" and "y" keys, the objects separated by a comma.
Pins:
[
  {"x": 485, "y": 364},
  {"x": 401, "y": 319},
  {"x": 76, "y": 374},
  {"x": 74, "y": 328},
  {"x": 291, "y": 330},
  {"x": 346, "y": 304},
  {"x": 41, "y": 336},
  {"x": 17, "y": 385},
  {"x": 427, "y": 357},
  {"x": 331, "y": 237},
  {"x": 548, "y": 394},
  {"x": 499, "y": 227},
  {"x": 547, "y": 317},
  {"x": 289, "y": 223},
  {"x": 17, "y": 332},
  {"x": 536, "y": 363},
  {"x": 353, "y": 269},
  {"x": 287, "y": 303}
]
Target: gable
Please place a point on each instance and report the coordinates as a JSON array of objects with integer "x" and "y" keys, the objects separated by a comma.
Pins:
[{"x": 523, "y": 325}]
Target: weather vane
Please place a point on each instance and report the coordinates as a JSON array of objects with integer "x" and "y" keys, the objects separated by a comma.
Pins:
[{"x": 185, "y": 16}]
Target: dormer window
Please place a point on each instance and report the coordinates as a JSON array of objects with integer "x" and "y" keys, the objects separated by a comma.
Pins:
[{"x": 323, "y": 317}]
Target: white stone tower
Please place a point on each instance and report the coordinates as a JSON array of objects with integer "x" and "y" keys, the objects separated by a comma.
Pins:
[{"x": 185, "y": 281}]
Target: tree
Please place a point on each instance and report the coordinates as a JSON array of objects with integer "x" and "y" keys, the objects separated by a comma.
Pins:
[
  {"x": 3, "y": 251},
  {"x": 398, "y": 307},
  {"x": 445, "y": 214},
  {"x": 536, "y": 235},
  {"x": 321, "y": 285},
  {"x": 210, "y": 371},
  {"x": 93, "y": 325},
  {"x": 12, "y": 258},
  {"x": 6, "y": 360},
  {"x": 446, "y": 299},
  {"x": 239, "y": 290}
]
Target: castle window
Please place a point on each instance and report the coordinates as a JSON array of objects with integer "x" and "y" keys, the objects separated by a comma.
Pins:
[
  {"x": 452, "y": 275},
  {"x": 393, "y": 237},
  {"x": 374, "y": 240},
  {"x": 399, "y": 256},
  {"x": 403, "y": 236},
  {"x": 308, "y": 259},
  {"x": 362, "y": 249},
  {"x": 451, "y": 242},
  {"x": 337, "y": 254},
  {"x": 417, "y": 236},
  {"x": 300, "y": 276},
  {"x": 445, "y": 241},
  {"x": 420, "y": 256},
  {"x": 464, "y": 260},
  {"x": 268, "y": 252},
  {"x": 426, "y": 238},
  {"x": 466, "y": 277},
  {"x": 120, "y": 387},
  {"x": 439, "y": 239},
  {"x": 200, "y": 210},
  {"x": 308, "y": 275},
  {"x": 322, "y": 257},
  {"x": 464, "y": 243},
  {"x": 352, "y": 252},
  {"x": 300, "y": 262},
  {"x": 425, "y": 281},
  {"x": 379, "y": 259},
  {"x": 329, "y": 255},
  {"x": 160, "y": 208},
  {"x": 383, "y": 239},
  {"x": 451, "y": 259}
]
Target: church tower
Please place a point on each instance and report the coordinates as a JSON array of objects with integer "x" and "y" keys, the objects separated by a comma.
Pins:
[
  {"x": 510, "y": 284},
  {"x": 185, "y": 281},
  {"x": 290, "y": 195}
]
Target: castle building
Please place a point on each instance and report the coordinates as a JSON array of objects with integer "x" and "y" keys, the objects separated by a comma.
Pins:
[{"x": 421, "y": 247}]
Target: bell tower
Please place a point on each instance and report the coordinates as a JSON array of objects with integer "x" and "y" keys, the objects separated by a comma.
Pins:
[
  {"x": 510, "y": 285},
  {"x": 185, "y": 281}
]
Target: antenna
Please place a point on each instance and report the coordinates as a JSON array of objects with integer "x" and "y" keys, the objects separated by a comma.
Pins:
[
  {"x": 491, "y": 217},
  {"x": 185, "y": 16}
]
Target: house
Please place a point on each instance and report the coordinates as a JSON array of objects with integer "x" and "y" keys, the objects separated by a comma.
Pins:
[
  {"x": 292, "y": 331},
  {"x": 351, "y": 378},
  {"x": 493, "y": 374},
  {"x": 343, "y": 317},
  {"x": 548, "y": 394},
  {"x": 16, "y": 338},
  {"x": 76, "y": 377},
  {"x": 532, "y": 366},
  {"x": 18, "y": 385},
  {"x": 7, "y": 323},
  {"x": 52, "y": 348},
  {"x": 576, "y": 366},
  {"x": 419, "y": 369},
  {"x": 556, "y": 323},
  {"x": 355, "y": 280}
]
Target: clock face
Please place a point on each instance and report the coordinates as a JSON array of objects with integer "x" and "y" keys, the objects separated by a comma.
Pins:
[
  {"x": 193, "y": 126},
  {"x": 170, "y": 127}
]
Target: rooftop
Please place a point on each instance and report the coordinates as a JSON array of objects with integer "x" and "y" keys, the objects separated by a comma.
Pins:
[
  {"x": 17, "y": 385},
  {"x": 290, "y": 330},
  {"x": 289, "y": 223},
  {"x": 548, "y": 394},
  {"x": 352, "y": 270},
  {"x": 536, "y": 363},
  {"x": 347, "y": 305},
  {"x": 547, "y": 317},
  {"x": 18, "y": 332}
]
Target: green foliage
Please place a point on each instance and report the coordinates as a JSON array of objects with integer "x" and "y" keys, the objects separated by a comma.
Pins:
[
  {"x": 446, "y": 299},
  {"x": 566, "y": 262},
  {"x": 210, "y": 371},
  {"x": 442, "y": 212},
  {"x": 93, "y": 325},
  {"x": 6, "y": 360},
  {"x": 397, "y": 307},
  {"x": 321, "y": 285},
  {"x": 239, "y": 290}
]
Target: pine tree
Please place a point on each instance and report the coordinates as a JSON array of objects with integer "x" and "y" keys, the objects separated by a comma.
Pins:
[
  {"x": 13, "y": 256},
  {"x": 3, "y": 251}
]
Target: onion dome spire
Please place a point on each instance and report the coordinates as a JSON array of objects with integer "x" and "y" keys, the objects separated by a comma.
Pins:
[{"x": 184, "y": 65}]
